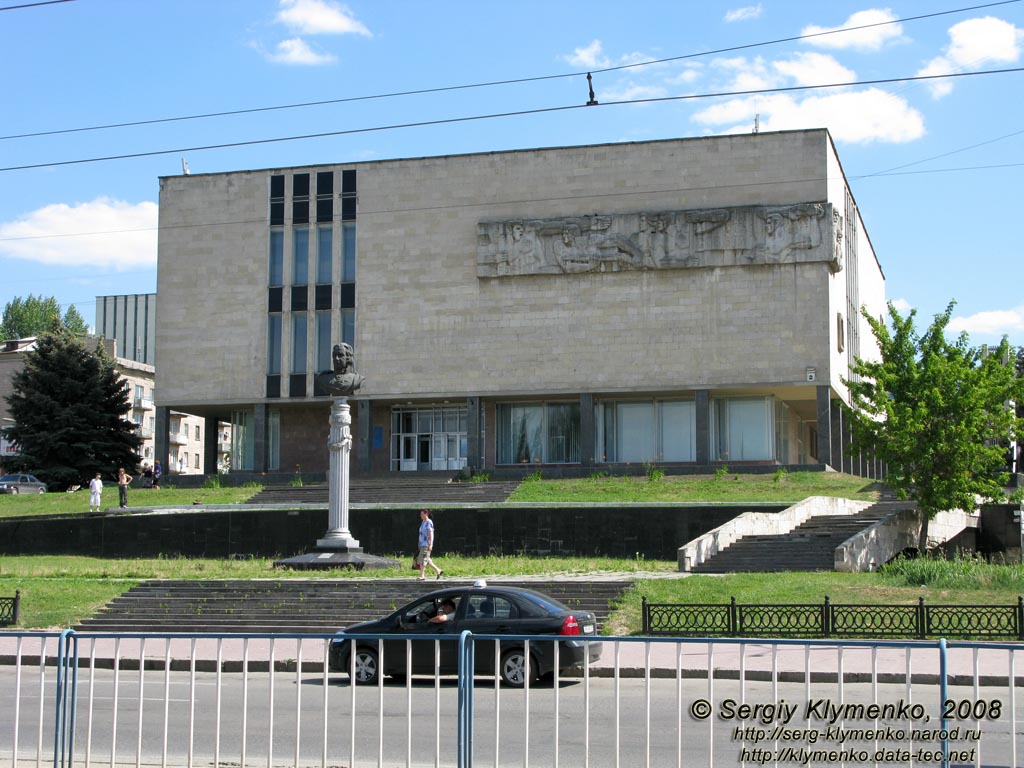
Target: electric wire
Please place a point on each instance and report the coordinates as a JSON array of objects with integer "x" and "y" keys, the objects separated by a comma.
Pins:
[
  {"x": 497, "y": 115},
  {"x": 494, "y": 83}
]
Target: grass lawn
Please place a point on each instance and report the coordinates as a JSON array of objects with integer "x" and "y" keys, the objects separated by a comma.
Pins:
[
  {"x": 27, "y": 505},
  {"x": 781, "y": 486},
  {"x": 58, "y": 591}
]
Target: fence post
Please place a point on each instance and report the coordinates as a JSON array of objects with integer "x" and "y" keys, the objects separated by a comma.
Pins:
[
  {"x": 17, "y": 605},
  {"x": 1020, "y": 617},
  {"x": 645, "y": 625},
  {"x": 826, "y": 618},
  {"x": 734, "y": 621},
  {"x": 921, "y": 624}
]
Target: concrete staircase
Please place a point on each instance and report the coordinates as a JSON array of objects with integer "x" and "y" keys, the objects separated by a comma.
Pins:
[
  {"x": 393, "y": 490},
  {"x": 808, "y": 547},
  {"x": 300, "y": 606}
]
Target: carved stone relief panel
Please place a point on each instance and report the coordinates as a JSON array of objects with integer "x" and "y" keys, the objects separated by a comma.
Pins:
[{"x": 661, "y": 240}]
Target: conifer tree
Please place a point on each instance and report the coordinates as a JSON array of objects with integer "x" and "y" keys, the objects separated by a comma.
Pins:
[{"x": 70, "y": 412}]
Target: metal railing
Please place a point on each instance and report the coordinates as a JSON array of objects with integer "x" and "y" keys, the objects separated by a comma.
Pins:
[
  {"x": 834, "y": 620},
  {"x": 101, "y": 699},
  {"x": 10, "y": 607}
]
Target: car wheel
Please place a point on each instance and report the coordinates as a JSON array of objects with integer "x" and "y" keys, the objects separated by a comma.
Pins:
[
  {"x": 367, "y": 669},
  {"x": 42, "y": 490},
  {"x": 513, "y": 668},
  {"x": 14, "y": 490}
]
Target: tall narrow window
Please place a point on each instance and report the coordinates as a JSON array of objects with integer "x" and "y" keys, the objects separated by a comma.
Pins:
[
  {"x": 241, "y": 440},
  {"x": 348, "y": 256},
  {"x": 348, "y": 326},
  {"x": 273, "y": 344},
  {"x": 276, "y": 201},
  {"x": 299, "y": 334},
  {"x": 324, "y": 253},
  {"x": 323, "y": 341},
  {"x": 300, "y": 198},
  {"x": 325, "y": 196},
  {"x": 300, "y": 256},
  {"x": 276, "y": 264}
]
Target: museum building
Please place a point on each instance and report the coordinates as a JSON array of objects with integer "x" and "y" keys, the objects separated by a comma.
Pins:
[{"x": 687, "y": 303}]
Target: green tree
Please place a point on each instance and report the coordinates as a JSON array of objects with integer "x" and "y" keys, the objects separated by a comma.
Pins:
[
  {"x": 70, "y": 412},
  {"x": 33, "y": 315},
  {"x": 938, "y": 413}
]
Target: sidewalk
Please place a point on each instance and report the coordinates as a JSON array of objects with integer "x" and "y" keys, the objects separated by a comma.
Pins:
[{"x": 629, "y": 657}]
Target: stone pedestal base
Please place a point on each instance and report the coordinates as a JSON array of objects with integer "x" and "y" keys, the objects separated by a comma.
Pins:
[{"x": 323, "y": 559}]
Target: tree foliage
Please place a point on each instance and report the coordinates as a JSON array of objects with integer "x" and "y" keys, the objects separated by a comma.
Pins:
[
  {"x": 34, "y": 315},
  {"x": 70, "y": 412},
  {"x": 938, "y": 413}
]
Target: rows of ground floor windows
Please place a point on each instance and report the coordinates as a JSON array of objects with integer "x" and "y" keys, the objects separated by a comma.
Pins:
[{"x": 583, "y": 431}]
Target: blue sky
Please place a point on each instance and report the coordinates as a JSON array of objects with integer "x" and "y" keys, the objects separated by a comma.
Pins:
[{"x": 935, "y": 166}]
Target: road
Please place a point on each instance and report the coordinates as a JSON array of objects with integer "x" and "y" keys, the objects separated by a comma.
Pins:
[{"x": 630, "y": 722}]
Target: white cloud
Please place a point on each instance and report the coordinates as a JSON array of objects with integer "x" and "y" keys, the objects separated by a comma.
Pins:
[
  {"x": 814, "y": 69},
  {"x": 631, "y": 92},
  {"x": 973, "y": 43},
  {"x": 744, "y": 14},
  {"x": 902, "y": 305},
  {"x": 998, "y": 322},
  {"x": 870, "y": 39},
  {"x": 296, "y": 51},
  {"x": 857, "y": 117},
  {"x": 590, "y": 56},
  {"x": 319, "y": 17},
  {"x": 125, "y": 235}
]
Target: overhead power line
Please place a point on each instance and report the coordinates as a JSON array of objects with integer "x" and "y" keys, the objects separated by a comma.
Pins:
[
  {"x": 496, "y": 115},
  {"x": 493, "y": 83},
  {"x": 33, "y": 5}
]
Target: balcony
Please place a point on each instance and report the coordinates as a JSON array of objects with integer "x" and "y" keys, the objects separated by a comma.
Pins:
[
  {"x": 178, "y": 438},
  {"x": 146, "y": 433},
  {"x": 144, "y": 404}
]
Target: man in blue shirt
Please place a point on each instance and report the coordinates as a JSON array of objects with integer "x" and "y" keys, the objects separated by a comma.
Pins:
[{"x": 426, "y": 545}]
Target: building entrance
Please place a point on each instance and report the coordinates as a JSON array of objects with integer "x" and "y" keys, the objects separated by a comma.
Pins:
[{"x": 428, "y": 438}]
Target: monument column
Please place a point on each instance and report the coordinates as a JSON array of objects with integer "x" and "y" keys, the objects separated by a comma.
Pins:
[{"x": 337, "y": 547}]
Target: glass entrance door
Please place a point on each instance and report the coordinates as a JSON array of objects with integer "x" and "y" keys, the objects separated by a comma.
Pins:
[{"x": 429, "y": 438}]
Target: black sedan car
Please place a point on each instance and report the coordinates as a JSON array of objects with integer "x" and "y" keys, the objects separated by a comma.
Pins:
[
  {"x": 21, "y": 484},
  {"x": 484, "y": 610}
]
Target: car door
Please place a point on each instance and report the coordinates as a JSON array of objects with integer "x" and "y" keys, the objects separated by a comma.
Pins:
[
  {"x": 416, "y": 620},
  {"x": 489, "y": 614}
]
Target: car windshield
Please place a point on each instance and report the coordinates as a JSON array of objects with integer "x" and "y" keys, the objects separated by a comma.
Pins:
[{"x": 10, "y": 479}]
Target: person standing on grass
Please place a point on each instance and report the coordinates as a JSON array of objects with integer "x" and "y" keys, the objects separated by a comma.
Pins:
[
  {"x": 95, "y": 492},
  {"x": 123, "y": 480},
  {"x": 426, "y": 545}
]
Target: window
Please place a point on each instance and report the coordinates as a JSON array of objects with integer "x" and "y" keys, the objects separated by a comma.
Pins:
[
  {"x": 197, "y": 432},
  {"x": 348, "y": 327},
  {"x": 300, "y": 256},
  {"x": 348, "y": 253},
  {"x": 196, "y": 465},
  {"x": 547, "y": 433},
  {"x": 324, "y": 254},
  {"x": 276, "y": 267},
  {"x": 299, "y": 333},
  {"x": 273, "y": 344},
  {"x": 276, "y": 200},
  {"x": 274, "y": 440},
  {"x": 323, "y": 341},
  {"x": 646, "y": 430},
  {"x": 325, "y": 196},
  {"x": 140, "y": 392},
  {"x": 300, "y": 198},
  {"x": 743, "y": 429},
  {"x": 241, "y": 440}
]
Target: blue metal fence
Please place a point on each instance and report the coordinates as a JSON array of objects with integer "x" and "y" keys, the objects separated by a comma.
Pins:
[{"x": 662, "y": 701}]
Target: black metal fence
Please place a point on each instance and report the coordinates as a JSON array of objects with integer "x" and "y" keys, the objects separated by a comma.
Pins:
[
  {"x": 837, "y": 620},
  {"x": 9, "y": 607}
]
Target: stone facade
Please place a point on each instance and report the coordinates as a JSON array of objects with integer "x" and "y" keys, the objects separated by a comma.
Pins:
[{"x": 694, "y": 269}]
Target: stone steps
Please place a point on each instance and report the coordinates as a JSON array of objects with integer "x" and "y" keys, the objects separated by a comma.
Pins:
[
  {"x": 809, "y": 547},
  {"x": 300, "y": 606}
]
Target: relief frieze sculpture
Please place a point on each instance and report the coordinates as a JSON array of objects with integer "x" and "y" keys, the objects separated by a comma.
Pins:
[{"x": 617, "y": 242}]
